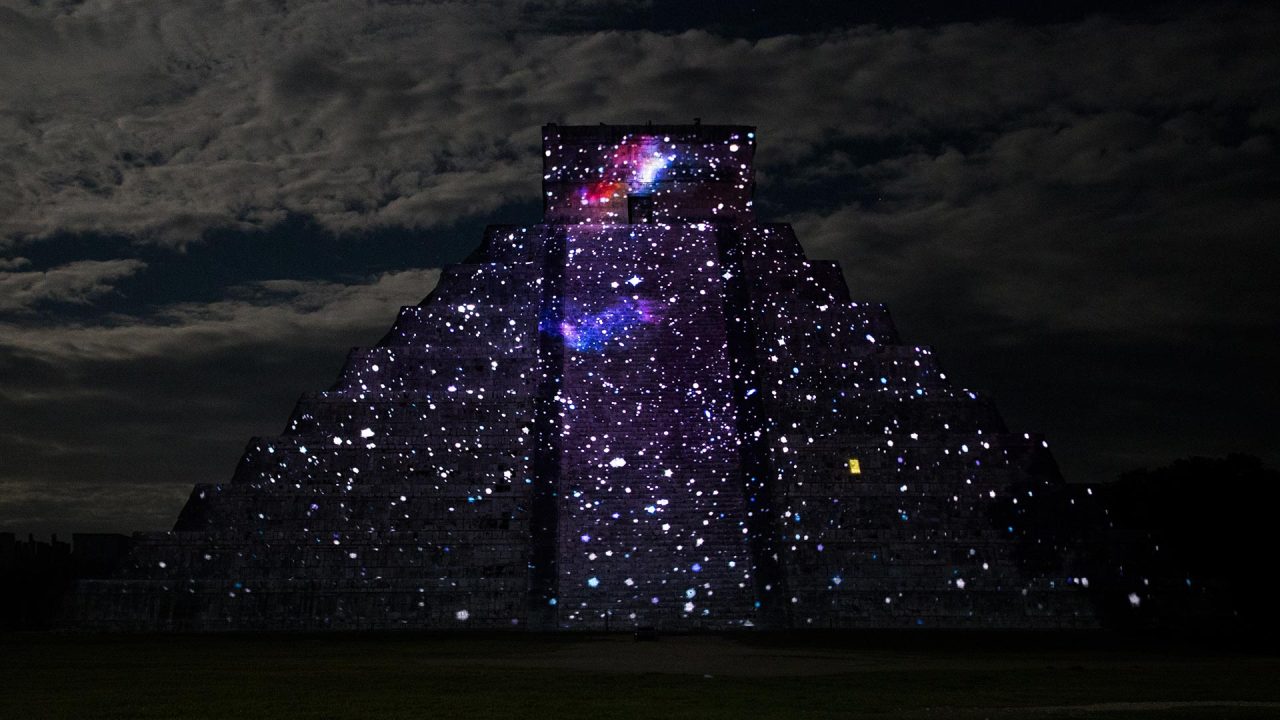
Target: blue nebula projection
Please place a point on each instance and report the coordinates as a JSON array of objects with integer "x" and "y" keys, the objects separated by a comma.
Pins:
[{"x": 593, "y": 333}]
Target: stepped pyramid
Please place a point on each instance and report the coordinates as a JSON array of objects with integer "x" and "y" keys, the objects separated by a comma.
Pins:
[{"x": 647, "y": 410}]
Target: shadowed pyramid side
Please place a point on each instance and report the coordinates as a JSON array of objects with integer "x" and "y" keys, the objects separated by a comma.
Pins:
[{"x": 400, "y": 497}]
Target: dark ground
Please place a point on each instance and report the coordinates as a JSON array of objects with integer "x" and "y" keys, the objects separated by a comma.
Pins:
[{"x": 702, "y": 676}]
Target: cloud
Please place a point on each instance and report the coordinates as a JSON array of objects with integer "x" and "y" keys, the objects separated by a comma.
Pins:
[
  {"x": 164, "y": 120},
  {"x": 286, "y": 313},
  {"x": 77, "y": 283},
  {"x": 162, "y": 123},
  {"x": 97, "y": 507},
  {"x": 121, "y": 415},
  {"x": 1112, "y": 223}
]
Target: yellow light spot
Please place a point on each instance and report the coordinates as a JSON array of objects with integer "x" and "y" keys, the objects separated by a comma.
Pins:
[{"x": 855, "y": 467}]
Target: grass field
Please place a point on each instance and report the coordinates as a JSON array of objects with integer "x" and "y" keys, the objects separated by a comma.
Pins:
[{"x": 700, "y": 676}]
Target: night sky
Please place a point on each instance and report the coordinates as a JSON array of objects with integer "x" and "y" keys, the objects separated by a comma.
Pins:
[{"x": 203, "y": 205}]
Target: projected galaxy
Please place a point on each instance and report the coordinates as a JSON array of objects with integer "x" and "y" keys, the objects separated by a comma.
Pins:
[
  {"x": 634, "y": 165},
  {"x": 648, "y": 176},
  {"x": 595, "y": 331}
]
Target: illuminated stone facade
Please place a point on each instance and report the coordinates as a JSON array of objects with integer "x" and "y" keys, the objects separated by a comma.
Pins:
[{"x": 649, "y": 410}]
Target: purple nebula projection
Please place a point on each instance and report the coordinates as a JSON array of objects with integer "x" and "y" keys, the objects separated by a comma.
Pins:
[
  {"x": 594, "y": 332},
  {"x": 648, "y": 174},
  {"x": 633, "y": 166}
]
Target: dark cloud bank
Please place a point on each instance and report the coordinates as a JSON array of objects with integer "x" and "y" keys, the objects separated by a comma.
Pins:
[{"x": 203, "y": 204}]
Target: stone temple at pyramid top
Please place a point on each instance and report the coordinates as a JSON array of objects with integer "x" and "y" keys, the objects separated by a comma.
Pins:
[{"x": 606, "y": 174}]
